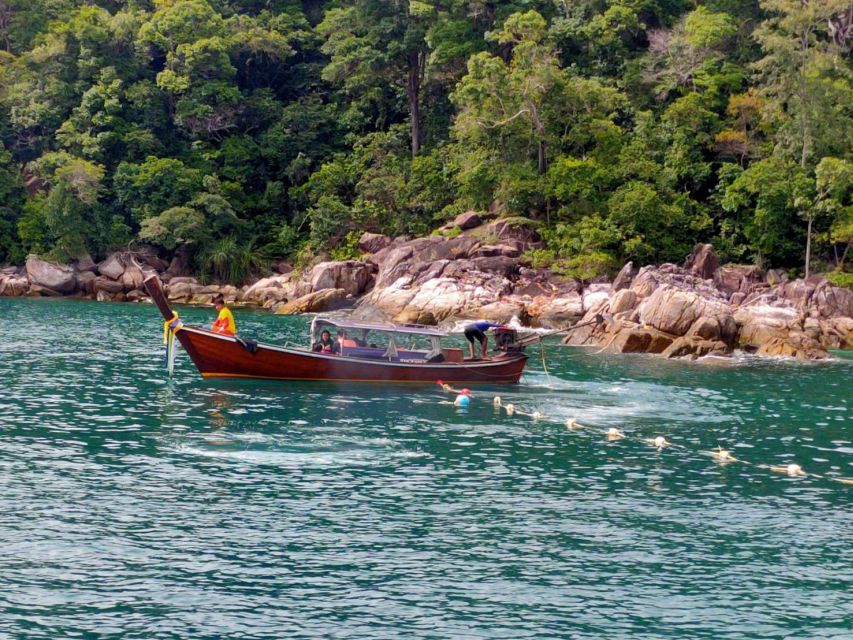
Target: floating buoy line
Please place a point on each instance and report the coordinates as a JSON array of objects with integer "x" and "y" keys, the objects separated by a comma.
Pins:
[{"x": 613, "y": 434}]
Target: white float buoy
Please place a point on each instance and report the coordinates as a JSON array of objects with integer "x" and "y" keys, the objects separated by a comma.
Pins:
[
  {"x": 614, "y": 434},
  {"x": 572, "y": 424},
  {"x": 792, "y": 469},
  {"x": 721, "y": 455},
  {"x": 660, "y": 442},
  {"x": 510, "y": 409},
  {"x": 497, "y": 401},
  {"x": 537, "y": 415}
]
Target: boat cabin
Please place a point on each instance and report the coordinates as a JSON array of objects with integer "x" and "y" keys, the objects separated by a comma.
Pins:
[{"x": 409, "y": 343}]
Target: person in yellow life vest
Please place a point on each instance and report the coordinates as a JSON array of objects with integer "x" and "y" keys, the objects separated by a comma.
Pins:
[{"x": 224, "y": 322}]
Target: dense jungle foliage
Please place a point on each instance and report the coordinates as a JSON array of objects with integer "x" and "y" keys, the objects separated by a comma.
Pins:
[{"x": 238, "y": 131}]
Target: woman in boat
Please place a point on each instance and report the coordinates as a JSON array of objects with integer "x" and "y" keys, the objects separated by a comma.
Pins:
[
  {"x": 224, "y": 322},
  {"x": 326, "y": 344}
]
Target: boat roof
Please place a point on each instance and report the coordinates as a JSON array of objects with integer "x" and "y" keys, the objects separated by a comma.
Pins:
[{"x": 348, "y": 323}]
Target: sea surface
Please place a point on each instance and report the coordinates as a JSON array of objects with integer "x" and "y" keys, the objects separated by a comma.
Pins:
[{"x": 135, "y": 506}]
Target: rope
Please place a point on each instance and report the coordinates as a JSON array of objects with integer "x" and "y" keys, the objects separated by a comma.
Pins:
[
  {"x": 721, "y": 455},
  {"x": 170, "y": 328}
]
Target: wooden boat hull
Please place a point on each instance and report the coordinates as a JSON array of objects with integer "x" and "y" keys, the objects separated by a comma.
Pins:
[{"x": 217, "y": 355}]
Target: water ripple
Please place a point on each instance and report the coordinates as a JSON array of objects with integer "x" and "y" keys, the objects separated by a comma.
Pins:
[{"x": 138, "y": 507}]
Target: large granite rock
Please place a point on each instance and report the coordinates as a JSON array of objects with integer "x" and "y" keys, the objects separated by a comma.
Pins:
[
  {"x": 794, "y": 345},
  {"x": 316, "y": 302},
  {"x": 350, "y": 275},
  {"x": 55, "y": 277},
  {"x": 373, "y": 242},
  {"x": 112, "y": 266},
  {"x": 702, "y": 262},
  {"x": 674, "y": 310},
  {"x": 638, "y": 340}
]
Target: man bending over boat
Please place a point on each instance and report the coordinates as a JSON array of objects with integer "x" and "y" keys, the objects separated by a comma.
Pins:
[
  {"x": 224, "y": 322},
  {"x": 477, "y": 331}
]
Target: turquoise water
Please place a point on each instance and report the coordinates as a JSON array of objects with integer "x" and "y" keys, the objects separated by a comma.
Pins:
[{"x": 138, "y": 507}]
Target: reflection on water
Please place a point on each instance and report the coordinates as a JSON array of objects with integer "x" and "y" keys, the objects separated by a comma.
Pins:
[{"x": 139, "y": 507}]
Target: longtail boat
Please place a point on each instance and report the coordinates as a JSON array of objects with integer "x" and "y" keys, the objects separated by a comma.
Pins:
[{"x": 375, "y": 352}]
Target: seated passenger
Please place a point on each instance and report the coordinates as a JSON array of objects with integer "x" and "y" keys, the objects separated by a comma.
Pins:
[
  {"x": 343, "y": 341},
  {"x": 326, "y": 344},
  {"x": 224, "y": 322}
]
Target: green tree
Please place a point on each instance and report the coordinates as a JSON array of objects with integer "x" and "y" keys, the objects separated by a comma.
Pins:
[{"x": 68, "y": 211}]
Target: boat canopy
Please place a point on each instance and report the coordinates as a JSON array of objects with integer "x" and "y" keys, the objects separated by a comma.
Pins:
[{"x": 390, "y": 327}]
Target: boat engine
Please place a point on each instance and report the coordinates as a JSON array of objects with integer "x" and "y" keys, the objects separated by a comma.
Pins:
[{"x": 506, "y": 339}]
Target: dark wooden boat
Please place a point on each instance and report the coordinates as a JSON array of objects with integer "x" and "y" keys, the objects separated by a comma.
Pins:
[{"x": 217, "y": 355}]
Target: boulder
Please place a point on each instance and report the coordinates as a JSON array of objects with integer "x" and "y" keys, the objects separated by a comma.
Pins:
[
  {"x": 761, "y": 323},
  {"x": 177, "y": 268},
  {"x": 106, "y": 285},
  {"x": 623, "y": 300},
  {"x": 86, "y": 282},
  {"x": 316, "y": 302},
  {"x": 556, "y": 312},
  {"x": 732, "y": 278},
  {"x": 671, "y": 310},
  {"x": 702, "y": 262},
  {"x": 37, "y": 290},
  {"x": 836, "y": 333},
  {"x": 373, "y": 242},
  {"x": 506, "y": 250},
  {"x": 283, "y": 267},
  {"x": 350, "y": 275},
  {"x": 104, "y": 296},
  {"x": 467, "y": 220},
  {"x": 132, "y": 277},
  {"x": 624, "y": 278},
  {"x": 136, "y": 296},
  {"x": 720, "y": 327},
  {"x": 85, "y": 263},
  {"x": 828, "y": 301},
  {"x": 414, "y": 316},
  {"x": 504, "y": 311},
  {"x": 14, "y": 286},
  {"x": 638, "y": 340},
  {"x": 112, "y": 267},
  {"x": 152, "y": 261},
  {"x": 695, "y": 347},
  {"x": 182, "y": 290},
  {"x": 794, "y": 345},
  {"x": 776, "y": 276},
  {"x": 520, "y": 229},
  {"x": 55, "y": 277}
]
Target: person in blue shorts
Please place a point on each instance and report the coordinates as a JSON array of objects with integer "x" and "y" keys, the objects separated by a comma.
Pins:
[{"x": 477, "y": 331}]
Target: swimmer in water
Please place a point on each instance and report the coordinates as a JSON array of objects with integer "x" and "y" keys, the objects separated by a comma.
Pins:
[{"x": 463, "y": 399}]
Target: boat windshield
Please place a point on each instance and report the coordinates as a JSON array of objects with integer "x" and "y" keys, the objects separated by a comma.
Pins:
[{"x": 376, "y": 340}]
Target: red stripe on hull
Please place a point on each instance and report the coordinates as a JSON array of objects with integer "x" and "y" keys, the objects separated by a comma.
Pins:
[{"x": 220, "y": 356}]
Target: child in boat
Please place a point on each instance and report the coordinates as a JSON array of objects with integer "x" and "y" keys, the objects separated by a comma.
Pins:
[
  {"x": 224, "y": 322},
  {"x": 326, "y": 344}
]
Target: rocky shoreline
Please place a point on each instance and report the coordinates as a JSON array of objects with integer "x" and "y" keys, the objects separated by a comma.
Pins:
[{"x": 472, "y": 269}]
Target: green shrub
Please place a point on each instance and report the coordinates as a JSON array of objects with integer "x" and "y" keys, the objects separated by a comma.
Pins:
[
  {"x": 348, "y": 250},
  {"x": 226, "y": 260},
  {"x": 840, "y": 279}
]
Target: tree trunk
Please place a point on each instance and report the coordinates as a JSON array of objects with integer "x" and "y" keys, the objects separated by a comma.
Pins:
[
  {"x": 809, "y": 245},
  {"x": 413, "y": 94},
  {"x": 543, "y": 160}
]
